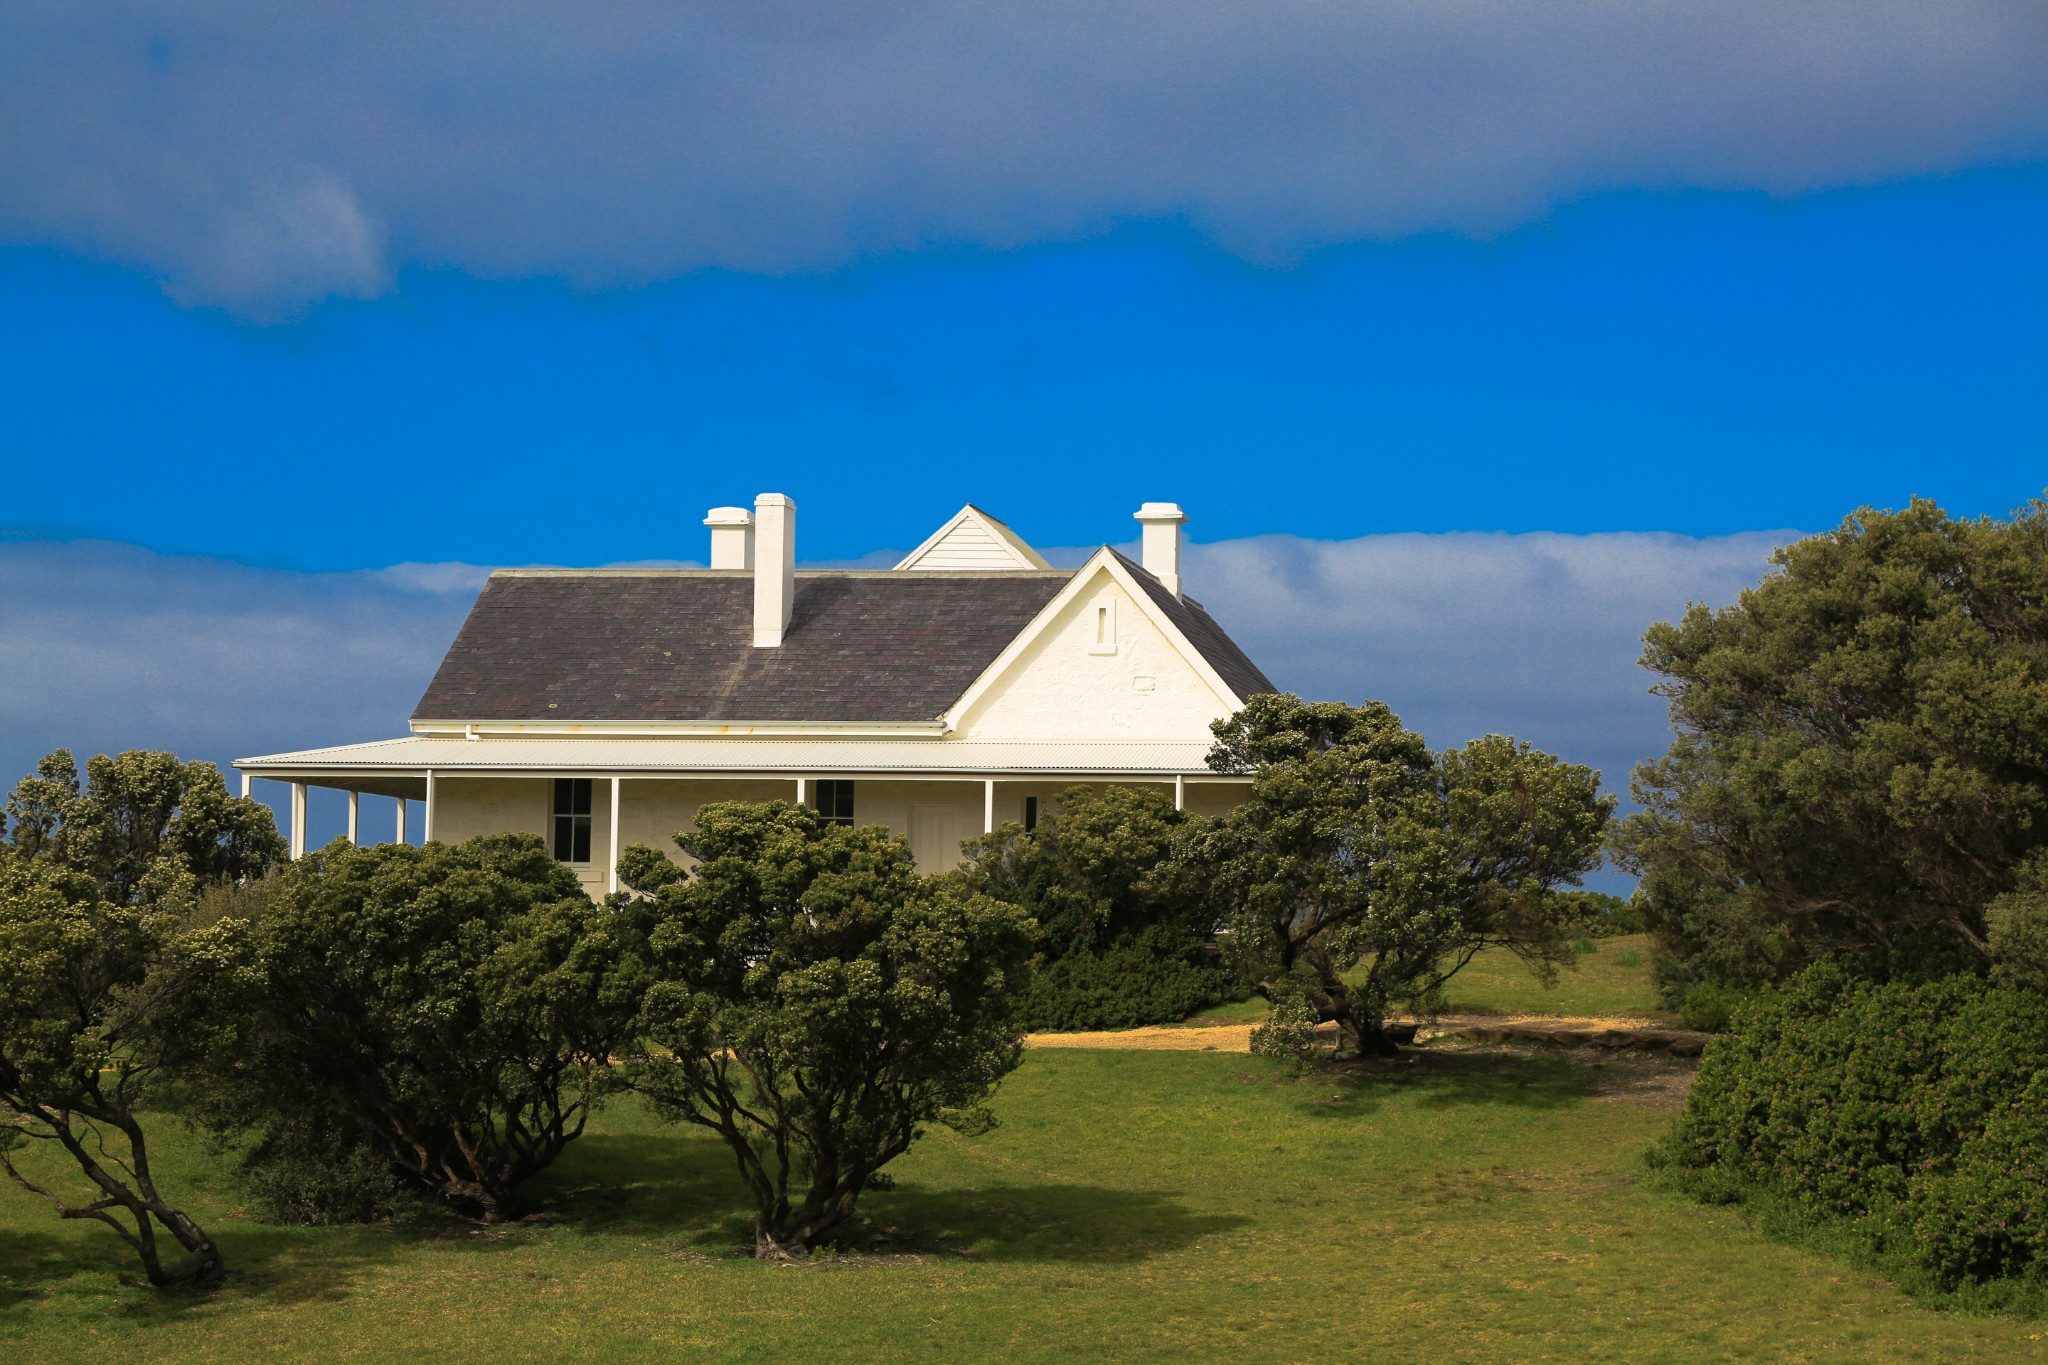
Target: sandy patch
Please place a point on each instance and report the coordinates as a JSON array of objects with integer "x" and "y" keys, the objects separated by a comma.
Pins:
[{"x": 1237, "y": 1037}]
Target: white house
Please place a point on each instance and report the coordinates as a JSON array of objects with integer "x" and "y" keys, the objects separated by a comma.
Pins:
[{"x": 967, "y": 686}]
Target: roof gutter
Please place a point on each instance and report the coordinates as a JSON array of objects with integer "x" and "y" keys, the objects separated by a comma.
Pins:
[{"x": 893, "y": 729}]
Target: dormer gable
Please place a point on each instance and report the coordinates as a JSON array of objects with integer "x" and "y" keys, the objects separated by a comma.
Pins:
[{"x": 974, "y": 540}]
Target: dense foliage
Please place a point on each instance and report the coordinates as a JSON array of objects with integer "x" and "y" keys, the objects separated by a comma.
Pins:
[
  {"x": 447, "y": 1011},
  {"x": 1127, "y": 929},
  {"x": 1859, "y": 767},
  {"x": 1366, "y": 871},
  {"x": 80, "y": 979},
  {"x": 818, "y": 1003},
  {"x": 134, "y": 810},
  {"x": 1916, "y": 1111},
  {"x": 100, "y": 885}
]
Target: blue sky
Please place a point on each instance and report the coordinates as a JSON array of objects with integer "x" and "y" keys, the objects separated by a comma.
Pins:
[
  {"x": 1692, "y": 362},
  {"x": 1473, "y": 336}
]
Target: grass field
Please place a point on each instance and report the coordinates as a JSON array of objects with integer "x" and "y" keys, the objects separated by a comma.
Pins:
[
  {"x": 1613, "y": 979},
  {"x": 1470, "y": 1205}
]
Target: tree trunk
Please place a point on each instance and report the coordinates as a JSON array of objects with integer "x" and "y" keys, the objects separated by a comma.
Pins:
[
  {"x": 772, "y": 1245},
  {"x": 1374, "y": 1041},
  {"x": 203, "y": 1267}
]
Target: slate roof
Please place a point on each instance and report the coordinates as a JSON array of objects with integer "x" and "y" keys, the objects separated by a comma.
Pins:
[
  {"x": 1232, "y": 664},
  {"x": 678, "y": 645}
]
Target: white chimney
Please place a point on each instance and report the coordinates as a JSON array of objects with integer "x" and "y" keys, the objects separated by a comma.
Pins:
[
  {"x": 774, "y": 568},
  {"x": 732, "y": 537},
  {"x": 1161, "y": 552}
]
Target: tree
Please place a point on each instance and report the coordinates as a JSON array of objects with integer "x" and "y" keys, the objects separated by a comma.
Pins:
[
  {"x": 1858, "y": 766},
  {"x": 1126, "y": 932},
  {"x": 81, "y": 977},
  {"x": 818, "y": 1003},
  {"x": 98, "y": 893},
  {"x": 455, "y": 1007},
  {"x": 137, "y": 807},
  {"x": 1365, "y": 871}
]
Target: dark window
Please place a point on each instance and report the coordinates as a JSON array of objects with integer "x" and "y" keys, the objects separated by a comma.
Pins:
[
  {"x": 835, "y": 802},
  {"x": 572, "y": 819},
  {"x": 1030, "y": 812}
]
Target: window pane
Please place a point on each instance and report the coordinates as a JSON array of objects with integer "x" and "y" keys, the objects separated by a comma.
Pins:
[
  {"x": 564, "y": 840},
  {"x": 582, "y": 839},
  {"x": 564, "y": 795}
]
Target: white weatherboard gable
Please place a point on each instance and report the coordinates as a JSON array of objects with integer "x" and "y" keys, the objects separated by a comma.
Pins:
[
  {"x": 974, "y": 540},
  {"x": 1055, "y": 677}
]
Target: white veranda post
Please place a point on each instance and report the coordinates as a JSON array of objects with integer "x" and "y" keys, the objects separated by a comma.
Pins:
[
  {"x": 988, "y": 806},
  {"x": 1180, "y": 792},
  {"x": 427, "y": 823},
  {"x": 298, "y": 819},
  {"x": 612, "y": 878},
  {"x": 354, "y": 814},
  {"x": 401, "y": 820}
]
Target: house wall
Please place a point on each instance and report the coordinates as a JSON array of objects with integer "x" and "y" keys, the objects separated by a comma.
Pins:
[
  {"x": 1068, "y": 686},
  {"x": 935, "y": 815}
]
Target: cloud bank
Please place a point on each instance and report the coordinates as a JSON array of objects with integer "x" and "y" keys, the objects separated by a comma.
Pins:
[
  {"x": 106, "y": 647},
  {"x": 257, "y": 156}
]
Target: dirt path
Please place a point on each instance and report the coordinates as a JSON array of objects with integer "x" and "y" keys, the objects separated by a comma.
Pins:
[{"x": 1237, "y": 1037}]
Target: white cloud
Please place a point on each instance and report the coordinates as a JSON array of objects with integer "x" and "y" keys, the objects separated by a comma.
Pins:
[
  {"x": 1534, "y": 635},
  {"x": 259, "y": 156}
]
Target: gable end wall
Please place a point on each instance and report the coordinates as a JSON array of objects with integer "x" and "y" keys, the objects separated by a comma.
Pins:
[{"x": 1060, "y": 689}]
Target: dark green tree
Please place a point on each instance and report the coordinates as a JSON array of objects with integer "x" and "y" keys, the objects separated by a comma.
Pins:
[
  {"x": 1126, "y": 930},
  {"x": 134, "y": 808},
  {"x": 83, "y": 980},
  {"x": 99, "y": 889},
  {"x": 454, "y": 1008},
  {"x": 1365, "y": 871},
  {"x": 819, "y": 1003},
  {"x": 1858, "y": 766}
]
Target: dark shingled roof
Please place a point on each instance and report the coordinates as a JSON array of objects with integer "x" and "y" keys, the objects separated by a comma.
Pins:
[
  {"x": 1231, "y": 663},
  {"x": 678, "y": 645},
  {"x": 661, "y": 645}
]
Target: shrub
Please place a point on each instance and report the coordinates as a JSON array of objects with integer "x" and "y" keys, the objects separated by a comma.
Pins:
[
  {"x": 1148, "y": 977},
  {"x": 1600, "y": 915},
  {"x": 2017, "y": 932},
  {"x": 820, "y": 1003},
  {"x": 1289, "y": 1032},
  {"x": 1126, "y": 930},
  {"x": 1709, "y": 1006},
  {"x": 320, "y": 1176},
  {"x": 1917, "y": 1113},
  {"x": 452, "y": 1009}
]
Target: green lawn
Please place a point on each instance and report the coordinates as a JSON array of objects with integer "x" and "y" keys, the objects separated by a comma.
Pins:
[
  {"x": 1135, "y": 1206},
  {"x": 1612, "y": 979}
]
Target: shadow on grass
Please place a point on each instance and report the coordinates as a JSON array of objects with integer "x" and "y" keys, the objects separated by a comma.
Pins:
[
  {"x": 101, "y": 1275},
  {"x": 1087, "y": 1223},
  {"x": 1443, "y": 1078},
  {"x": 681, "y": 1186}
]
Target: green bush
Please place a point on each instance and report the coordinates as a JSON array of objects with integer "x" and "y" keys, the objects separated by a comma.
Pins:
[
  {"x": 1148, "y": 977},
  {"x": 1709, "y": 1006},
  {"x": 1600, "y": 915},
  {"x": 1917, "y": 1114},
  {"x": 2017, "y": 931},
  {"x": 1125, "y": 929},
  {"x": 322, "y": 1176}
]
